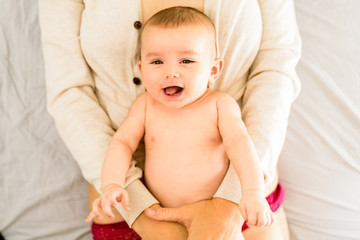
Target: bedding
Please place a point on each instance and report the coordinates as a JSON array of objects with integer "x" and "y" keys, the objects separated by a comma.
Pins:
[
  {"x": 320, "y": 162},
  {"x": 43, "y": 194}
]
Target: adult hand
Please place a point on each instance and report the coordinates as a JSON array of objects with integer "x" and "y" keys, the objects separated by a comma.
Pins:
[
  {"x": 150, "y": 229},
  {"x": 209, "y": 219}
]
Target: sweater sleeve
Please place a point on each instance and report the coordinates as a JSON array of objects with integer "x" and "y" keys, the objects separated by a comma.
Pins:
[
  {"x": 81, "y": 121},
  {"x": 271, "y": 88}
]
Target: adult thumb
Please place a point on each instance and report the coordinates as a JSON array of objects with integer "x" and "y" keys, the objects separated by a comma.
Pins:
[{"x": 167, "y": 214}]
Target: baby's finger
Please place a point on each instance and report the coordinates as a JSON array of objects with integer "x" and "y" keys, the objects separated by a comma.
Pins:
[
  {"x": 252, "y": 219},
  {"x": 262, "y": 219},
  {"x": 105, "y": 205},
  {"x": 272, "y": 218},
  {"x": 125, "y": 201},
  {"x": 96, "y": 208},
  {"x": 243, "y": 212},
  {"x": 90, "y": 217},
  {"x": 114, "y": 199}
]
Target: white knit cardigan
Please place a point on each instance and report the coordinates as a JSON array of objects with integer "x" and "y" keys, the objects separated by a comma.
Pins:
[{"x": 91, "y": 50}]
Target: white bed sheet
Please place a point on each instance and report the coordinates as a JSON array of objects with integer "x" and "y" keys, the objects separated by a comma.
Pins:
[
  {"x": 42, "y": 192},
  {"x": 320, "y": 163},
  {"x": 43, "y": 195}
]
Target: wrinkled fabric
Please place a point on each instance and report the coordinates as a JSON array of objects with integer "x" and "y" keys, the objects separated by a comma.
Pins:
[
  {"x": 43, "y": 195},
  {"x": 320, "y": 162},
  {"x": 42, "y": 192}
]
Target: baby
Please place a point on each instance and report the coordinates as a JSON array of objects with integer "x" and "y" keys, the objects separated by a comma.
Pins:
[{"x": 190, "y": 131}]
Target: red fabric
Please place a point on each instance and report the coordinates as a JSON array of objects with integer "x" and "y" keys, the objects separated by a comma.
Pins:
[
  {"x": 275, "y": 200},
  {"x": 121, "y": 231},
  {"x": 113, "y": 231}
]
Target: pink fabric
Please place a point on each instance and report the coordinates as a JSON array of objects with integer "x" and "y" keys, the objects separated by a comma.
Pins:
[
  {"x": 113, "y": 231},
  {"x": 275, "y": 200}
]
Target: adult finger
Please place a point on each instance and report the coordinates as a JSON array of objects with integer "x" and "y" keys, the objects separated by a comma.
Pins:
[{"x": 168, "y": 214}]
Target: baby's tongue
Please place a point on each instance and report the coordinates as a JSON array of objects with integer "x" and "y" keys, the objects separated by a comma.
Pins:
[{"x": 172, "y": 90}]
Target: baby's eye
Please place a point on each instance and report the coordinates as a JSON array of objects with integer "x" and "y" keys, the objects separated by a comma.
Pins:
[
  {"x": 156, "y": 62},
  {"x": 186, "y": 61}
]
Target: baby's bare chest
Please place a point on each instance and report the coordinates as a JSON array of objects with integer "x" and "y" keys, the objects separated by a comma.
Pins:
[
  {"x": 184, "y": 128},
  {"x": 184, "y": 145}
]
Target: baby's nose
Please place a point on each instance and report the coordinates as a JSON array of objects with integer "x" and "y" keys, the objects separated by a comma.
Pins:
[
  {"x": 172, "y": 72},
  {"x": 172, "y": 75}
]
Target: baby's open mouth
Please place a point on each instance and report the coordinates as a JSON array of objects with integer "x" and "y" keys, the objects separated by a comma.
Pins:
[{"x": 173, "y": 90}]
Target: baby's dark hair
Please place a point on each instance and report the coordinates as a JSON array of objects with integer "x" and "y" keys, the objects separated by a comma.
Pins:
[{"x": 181, "y": 16}]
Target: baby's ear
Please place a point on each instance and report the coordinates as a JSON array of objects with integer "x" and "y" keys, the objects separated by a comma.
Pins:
[
  {"x": 140, "y": 69},
  {"x": 215, "y": 71}
]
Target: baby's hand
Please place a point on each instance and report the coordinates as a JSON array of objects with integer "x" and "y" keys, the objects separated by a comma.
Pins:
[
  {"x": 255, "y": 209},
  {"x": 112, "y": 195}
]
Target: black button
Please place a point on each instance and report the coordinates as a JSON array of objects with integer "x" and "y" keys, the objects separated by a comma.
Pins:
[
  {"x": 137, "y": 24},
  {"x": 136, "y": 81}
]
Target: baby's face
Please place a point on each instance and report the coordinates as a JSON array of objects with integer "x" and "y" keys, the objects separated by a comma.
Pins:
[{"x": 177, "y": 63}]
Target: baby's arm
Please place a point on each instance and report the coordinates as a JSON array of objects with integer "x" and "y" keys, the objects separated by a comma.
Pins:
[
  {"x": 242, "y": 154},
  {"x": 123, "y": 145},
  {"x": 117, "y": 161}
]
